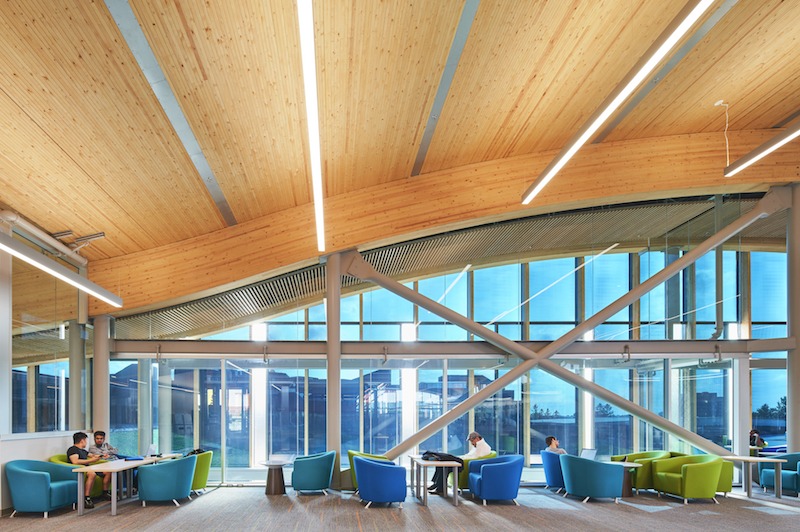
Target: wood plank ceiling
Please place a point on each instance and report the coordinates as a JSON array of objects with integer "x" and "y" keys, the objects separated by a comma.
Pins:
[{"x": 88, "y": 147}]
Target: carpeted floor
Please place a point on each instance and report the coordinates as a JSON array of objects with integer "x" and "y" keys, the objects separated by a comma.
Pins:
[{"x": 226, "y": 508}]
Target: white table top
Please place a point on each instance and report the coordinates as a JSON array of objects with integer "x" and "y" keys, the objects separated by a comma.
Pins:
[
  {"x": 436, "y": 463},
  {"x": 734, "y": 458},
  {"x": 275, "y": 463},
  {"x": 115, "y": 466},
  {"x": 626, "y": 464}
]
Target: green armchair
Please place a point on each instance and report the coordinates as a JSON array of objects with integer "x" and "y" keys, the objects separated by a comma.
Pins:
[
  {"x": 463, "y": 476},
  {"x": 201, "y": 471},
  {"x": 97, "y": 488},
  {"x": 689, "y": 477},
  {"x": 351, "y": 454},
  {"x": 642, "y": 477}
]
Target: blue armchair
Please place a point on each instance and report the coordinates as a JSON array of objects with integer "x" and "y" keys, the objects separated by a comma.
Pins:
[
  {"x": 789, "y": 473},
  {"x": 168, "y": 480},
  {"x": 496, "y": 479},
  {"x": 37, "y": 486},
  {"x": 313, "y": 472},
  {"x": 552, "y": 471},
  {"x": 588, "y": 478},
  {"x": 380, "y": 480}
]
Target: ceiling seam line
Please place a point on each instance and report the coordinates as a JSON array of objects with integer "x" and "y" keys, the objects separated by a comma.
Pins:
[
  {"x": 140, "y": 49},
  {"x": 673, "y": 61},
  {"x": 453, "y": 58}
]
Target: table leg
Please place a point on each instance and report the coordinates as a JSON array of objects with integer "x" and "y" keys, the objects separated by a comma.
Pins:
[
  {"x": 748, "y": 481},
  {"x": 113, "y": 493},
  {"x": 627, "y": 482},
  {"x": 455, "y": 486},
  {"x": 419, "y": 486},
  {"x": 413, "y": 484},
  {"x": 778, "y": 480},
  {"x": 81, "y": 482},
  {"x": 425, "y": 487}
]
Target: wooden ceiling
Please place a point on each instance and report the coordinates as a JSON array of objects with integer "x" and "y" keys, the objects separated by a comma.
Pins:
[{"x": 88, "y": 147}]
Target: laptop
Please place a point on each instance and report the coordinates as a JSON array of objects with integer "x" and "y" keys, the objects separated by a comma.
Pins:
[{"x": 589, "y": 454}]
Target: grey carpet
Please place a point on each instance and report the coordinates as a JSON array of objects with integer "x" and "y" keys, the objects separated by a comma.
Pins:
[{"x": 249, "y": 509}]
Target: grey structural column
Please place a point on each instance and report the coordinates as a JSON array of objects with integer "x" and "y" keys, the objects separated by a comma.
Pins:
[
  {"x": 165, "y": 406},
  {"x": 793, "y": 322},
  {"x": 77, "y": 376},
  {"x": 101, "y": 408},
  {"x": 354, "y": 264},
  {"x": 144, "y": 403},
  {"x": 5, "y": 337},
  {"x": 333, "y": 431}
]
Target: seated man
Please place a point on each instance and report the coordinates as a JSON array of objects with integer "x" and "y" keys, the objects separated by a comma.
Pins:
[
  {"x": 102, "y": 448},
  {"x": 78, "y": 455},
  {"x": 479, "y": 448},
  {"x": 552, "y": 445}
]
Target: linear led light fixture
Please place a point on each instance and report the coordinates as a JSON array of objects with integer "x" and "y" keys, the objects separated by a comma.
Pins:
[
  {"x": 48, "y": 265},
  {"x": 666, "y": 42},
  {"x": 305, "y": 18},
  {"x": 763, "y": 150}
]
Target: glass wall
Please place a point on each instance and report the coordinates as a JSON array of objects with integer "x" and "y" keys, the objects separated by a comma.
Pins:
[
  {"x": 43, "y": 308},
  {"x": 250, "y": 410}
]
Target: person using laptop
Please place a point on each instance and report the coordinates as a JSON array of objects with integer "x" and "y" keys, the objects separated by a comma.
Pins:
[{"x": 552, "y": 445}]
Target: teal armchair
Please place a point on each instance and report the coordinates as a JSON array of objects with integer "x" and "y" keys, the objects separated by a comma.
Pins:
[
  {"x": 789, "y": 473},
  {"x": 313, "y": 472},
  {"x": 168, "y": 480},
  {"x": 642, "y": 477},
  {"x": 589, "y": 478},
  {"x": 38, "y": 486},
  {"x": 689, "y": 477}
]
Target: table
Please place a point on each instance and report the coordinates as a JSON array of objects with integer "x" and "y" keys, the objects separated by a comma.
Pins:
[
  {"x": 420, "y": 479},
  {"x": 275, "y": 483},
  {"x": 747, "y": 479},
  {"x": 627, "y": 481},
  {"x": 115, "y": 468}
]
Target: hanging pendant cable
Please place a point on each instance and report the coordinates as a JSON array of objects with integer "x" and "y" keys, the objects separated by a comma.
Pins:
[{"x": 727, "y": 147}]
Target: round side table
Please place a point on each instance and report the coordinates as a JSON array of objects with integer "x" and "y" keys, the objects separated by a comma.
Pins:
[{"x": 275, "y": 483}]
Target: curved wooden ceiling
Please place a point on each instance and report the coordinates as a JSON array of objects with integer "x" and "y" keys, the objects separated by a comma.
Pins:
[{"x": 89, "y": 148}]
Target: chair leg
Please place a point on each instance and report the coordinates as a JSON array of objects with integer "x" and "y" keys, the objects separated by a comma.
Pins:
[
  {"x": 45, "y": 515},
  {"x": 547, "y": 487},
  {"x": 484, "y": 502},
  {"x": 565, "y": 493},
  {"x": 12, "y": 514},
  {"x": 685, "y": 501},
  {"x": 586, "y": 499},
  {"x": 325, "y": 492},
  {"x": 144, "y": 503},
  {"x": 616, "y": 500},
  {"x": 368, "y": 504},
  {"x": 176, "y": 502},
  {"x": 515, "y": 501},
  {"x": 715, "y": 500},
  {"x": 401, "y": 505},
  {"x": 559, "y": 490},
  {"x": 190, "y": 496}
]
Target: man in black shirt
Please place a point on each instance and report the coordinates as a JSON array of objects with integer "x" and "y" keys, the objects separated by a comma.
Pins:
[{"x": 78, "y": 455}]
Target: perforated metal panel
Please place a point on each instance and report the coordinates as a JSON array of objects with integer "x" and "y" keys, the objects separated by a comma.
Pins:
[{"x": 634, "y": 227}]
